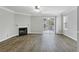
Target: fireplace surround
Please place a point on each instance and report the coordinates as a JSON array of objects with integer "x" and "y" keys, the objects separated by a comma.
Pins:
[{"x": 22, "y": 31}]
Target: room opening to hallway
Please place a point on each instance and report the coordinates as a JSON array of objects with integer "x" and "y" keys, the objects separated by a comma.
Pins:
[{"x": 49, "y": 24}]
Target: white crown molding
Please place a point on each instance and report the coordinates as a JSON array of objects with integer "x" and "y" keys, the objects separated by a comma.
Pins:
[
  {"x": 69, "y": 10},
  {"x": 22, "y": 13},
  {"x": 9, "y": 10}
]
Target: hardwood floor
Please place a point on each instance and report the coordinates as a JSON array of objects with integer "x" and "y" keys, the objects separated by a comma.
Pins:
[{"x": 46, "y": 42}]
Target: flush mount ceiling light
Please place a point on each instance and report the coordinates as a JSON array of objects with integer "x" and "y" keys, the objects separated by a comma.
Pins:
[{"x": 37, "y": 8}]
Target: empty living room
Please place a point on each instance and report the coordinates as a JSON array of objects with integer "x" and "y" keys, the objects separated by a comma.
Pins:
[{"x": 38, "y": 28}]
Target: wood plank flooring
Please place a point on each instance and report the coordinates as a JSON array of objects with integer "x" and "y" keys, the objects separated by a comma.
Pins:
[{"x": 46, "y": 42}]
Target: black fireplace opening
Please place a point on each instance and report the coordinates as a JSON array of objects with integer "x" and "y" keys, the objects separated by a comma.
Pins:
[{"x": 22, "y": 31}]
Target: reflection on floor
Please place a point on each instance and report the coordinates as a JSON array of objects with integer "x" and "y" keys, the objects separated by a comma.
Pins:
[{"x": 46, "y": 42}]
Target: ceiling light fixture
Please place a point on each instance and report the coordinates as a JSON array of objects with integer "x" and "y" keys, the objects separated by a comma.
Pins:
[{"x": 37, "y": 8}]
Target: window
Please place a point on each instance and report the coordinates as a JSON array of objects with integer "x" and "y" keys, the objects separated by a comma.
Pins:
[{"x": 65, "y": 23}]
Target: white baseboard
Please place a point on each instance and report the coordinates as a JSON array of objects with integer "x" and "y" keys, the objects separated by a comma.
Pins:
[
  {"x": 7, "y": 38},
  {"x": 71, "y": 37}
]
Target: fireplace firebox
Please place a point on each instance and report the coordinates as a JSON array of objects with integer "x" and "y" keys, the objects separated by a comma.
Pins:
[{"x": 22, "y": 31}]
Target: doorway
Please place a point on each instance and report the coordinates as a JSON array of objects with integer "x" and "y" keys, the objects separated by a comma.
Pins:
[{"x": 50, "y": 24}]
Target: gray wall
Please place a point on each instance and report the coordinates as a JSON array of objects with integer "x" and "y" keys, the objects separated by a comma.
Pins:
[
  {"x": 36, "y": 24},
  {"x": 78, "y": 19},
  {"x": 71, "y": 18},
  {"x": 59, "y": 24},
  {"x": 78, "y": 27},
  {"x": 23, "y": 21},
  {"x": 7, "y": 25}
]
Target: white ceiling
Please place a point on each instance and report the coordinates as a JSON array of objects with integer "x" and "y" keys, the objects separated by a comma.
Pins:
[{"x": 44, "y": 10}]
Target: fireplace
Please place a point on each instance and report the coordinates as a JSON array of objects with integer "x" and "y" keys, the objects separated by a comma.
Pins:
[{"x": 22, "y": 31}]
